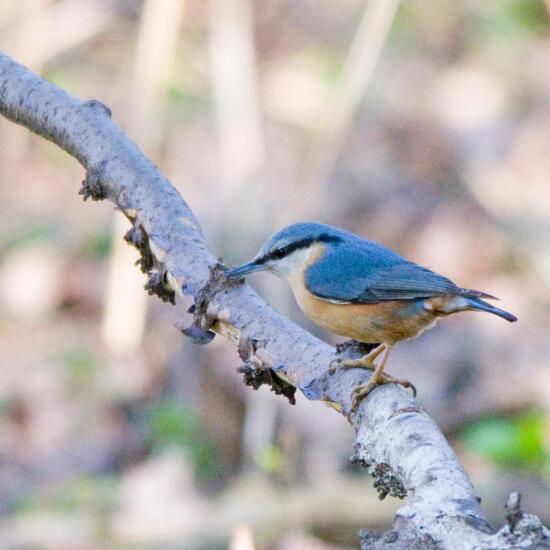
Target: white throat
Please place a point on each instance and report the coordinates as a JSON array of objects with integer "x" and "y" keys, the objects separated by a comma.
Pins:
[{"x": 290, "y": 264}]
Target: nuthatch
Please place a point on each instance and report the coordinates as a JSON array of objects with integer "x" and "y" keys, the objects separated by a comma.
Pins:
[{"x": 360, "y": 289}]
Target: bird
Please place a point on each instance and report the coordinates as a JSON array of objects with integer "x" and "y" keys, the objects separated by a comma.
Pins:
[{"x": 359, "y": 289}]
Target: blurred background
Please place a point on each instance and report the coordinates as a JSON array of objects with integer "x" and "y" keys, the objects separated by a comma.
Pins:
[{"x": 423, "y": 125}]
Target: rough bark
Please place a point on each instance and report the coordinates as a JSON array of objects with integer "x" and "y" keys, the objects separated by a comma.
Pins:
[{"x": 396, "y": 440}]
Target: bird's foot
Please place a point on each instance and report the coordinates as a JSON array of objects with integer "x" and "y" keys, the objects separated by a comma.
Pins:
[
  {"x": 349, "y": 364},
  {"x": 365, "y": 362},
  {"x": 360, "y": 392}
]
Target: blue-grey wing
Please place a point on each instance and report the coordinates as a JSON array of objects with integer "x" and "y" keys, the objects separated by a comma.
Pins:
[{"x": 369, "y": 273}]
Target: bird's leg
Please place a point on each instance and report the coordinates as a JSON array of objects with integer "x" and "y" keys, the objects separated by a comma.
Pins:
[
  {"x": 365, "y": 362},
  {"x": 361, "y": 391},
  {"x": 378, "y": 378}
]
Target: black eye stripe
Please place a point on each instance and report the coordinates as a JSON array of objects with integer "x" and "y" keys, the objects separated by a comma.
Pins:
[{"x": 279, "y": 253}]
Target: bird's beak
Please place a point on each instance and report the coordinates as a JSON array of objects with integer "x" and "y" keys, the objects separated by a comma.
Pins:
[{"x": 245, "y": 269}]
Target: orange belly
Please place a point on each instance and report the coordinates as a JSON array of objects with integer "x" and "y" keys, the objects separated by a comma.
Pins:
[{"x": 384, "y": 322}]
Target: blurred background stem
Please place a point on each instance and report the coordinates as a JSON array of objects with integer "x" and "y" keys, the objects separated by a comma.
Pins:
[
  {"x": 242, "y": 167},
  {"x": 345, "y": 99},
  {"x": 125, "y": 310}
]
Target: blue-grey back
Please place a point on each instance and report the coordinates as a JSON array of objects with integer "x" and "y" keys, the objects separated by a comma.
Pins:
[{"x": 358, "y": 270}]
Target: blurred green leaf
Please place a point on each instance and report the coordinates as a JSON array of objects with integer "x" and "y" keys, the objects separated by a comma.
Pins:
[
  {"x": 321, "y": 61},
  {"x": 169, "y": 422},
  {"x": 514, "y": 441},
  {"x": 182, "y": 102},
  {"x": 270, "y": 459},
  {"x": 530, "y": 15},
  {"x": 82, "y": 364},
  {"x": 28, "y": 235},
  {"x": 98, "y": 245},
  {"x": 67, "y": 79},
  {"x": 502, "y": 28},
  {"x": 5, "y": 403},
  {"x": 85, "y": 492}
]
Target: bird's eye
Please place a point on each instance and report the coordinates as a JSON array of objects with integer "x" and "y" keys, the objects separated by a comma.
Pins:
[{"x": 278, "y": 254}]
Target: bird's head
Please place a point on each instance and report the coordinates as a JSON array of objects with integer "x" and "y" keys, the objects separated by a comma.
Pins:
[{"x": 288, "y": 249}]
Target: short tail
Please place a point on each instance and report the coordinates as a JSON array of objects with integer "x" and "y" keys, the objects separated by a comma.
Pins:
[
  {"x": 479, "y": 305},
  {"x": 467, "y": 300}
]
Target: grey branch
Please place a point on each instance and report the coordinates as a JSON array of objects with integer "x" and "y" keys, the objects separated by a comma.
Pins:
[{"x": 396, "y": 440}]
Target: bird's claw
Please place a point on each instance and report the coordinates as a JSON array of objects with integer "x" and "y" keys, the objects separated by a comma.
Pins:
[
  {"x": 334, "y": 365},
  {"x": 360, "y": 392},
  {"x": 388, "y": 379},
  {"x": 407, "y": 384}
]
